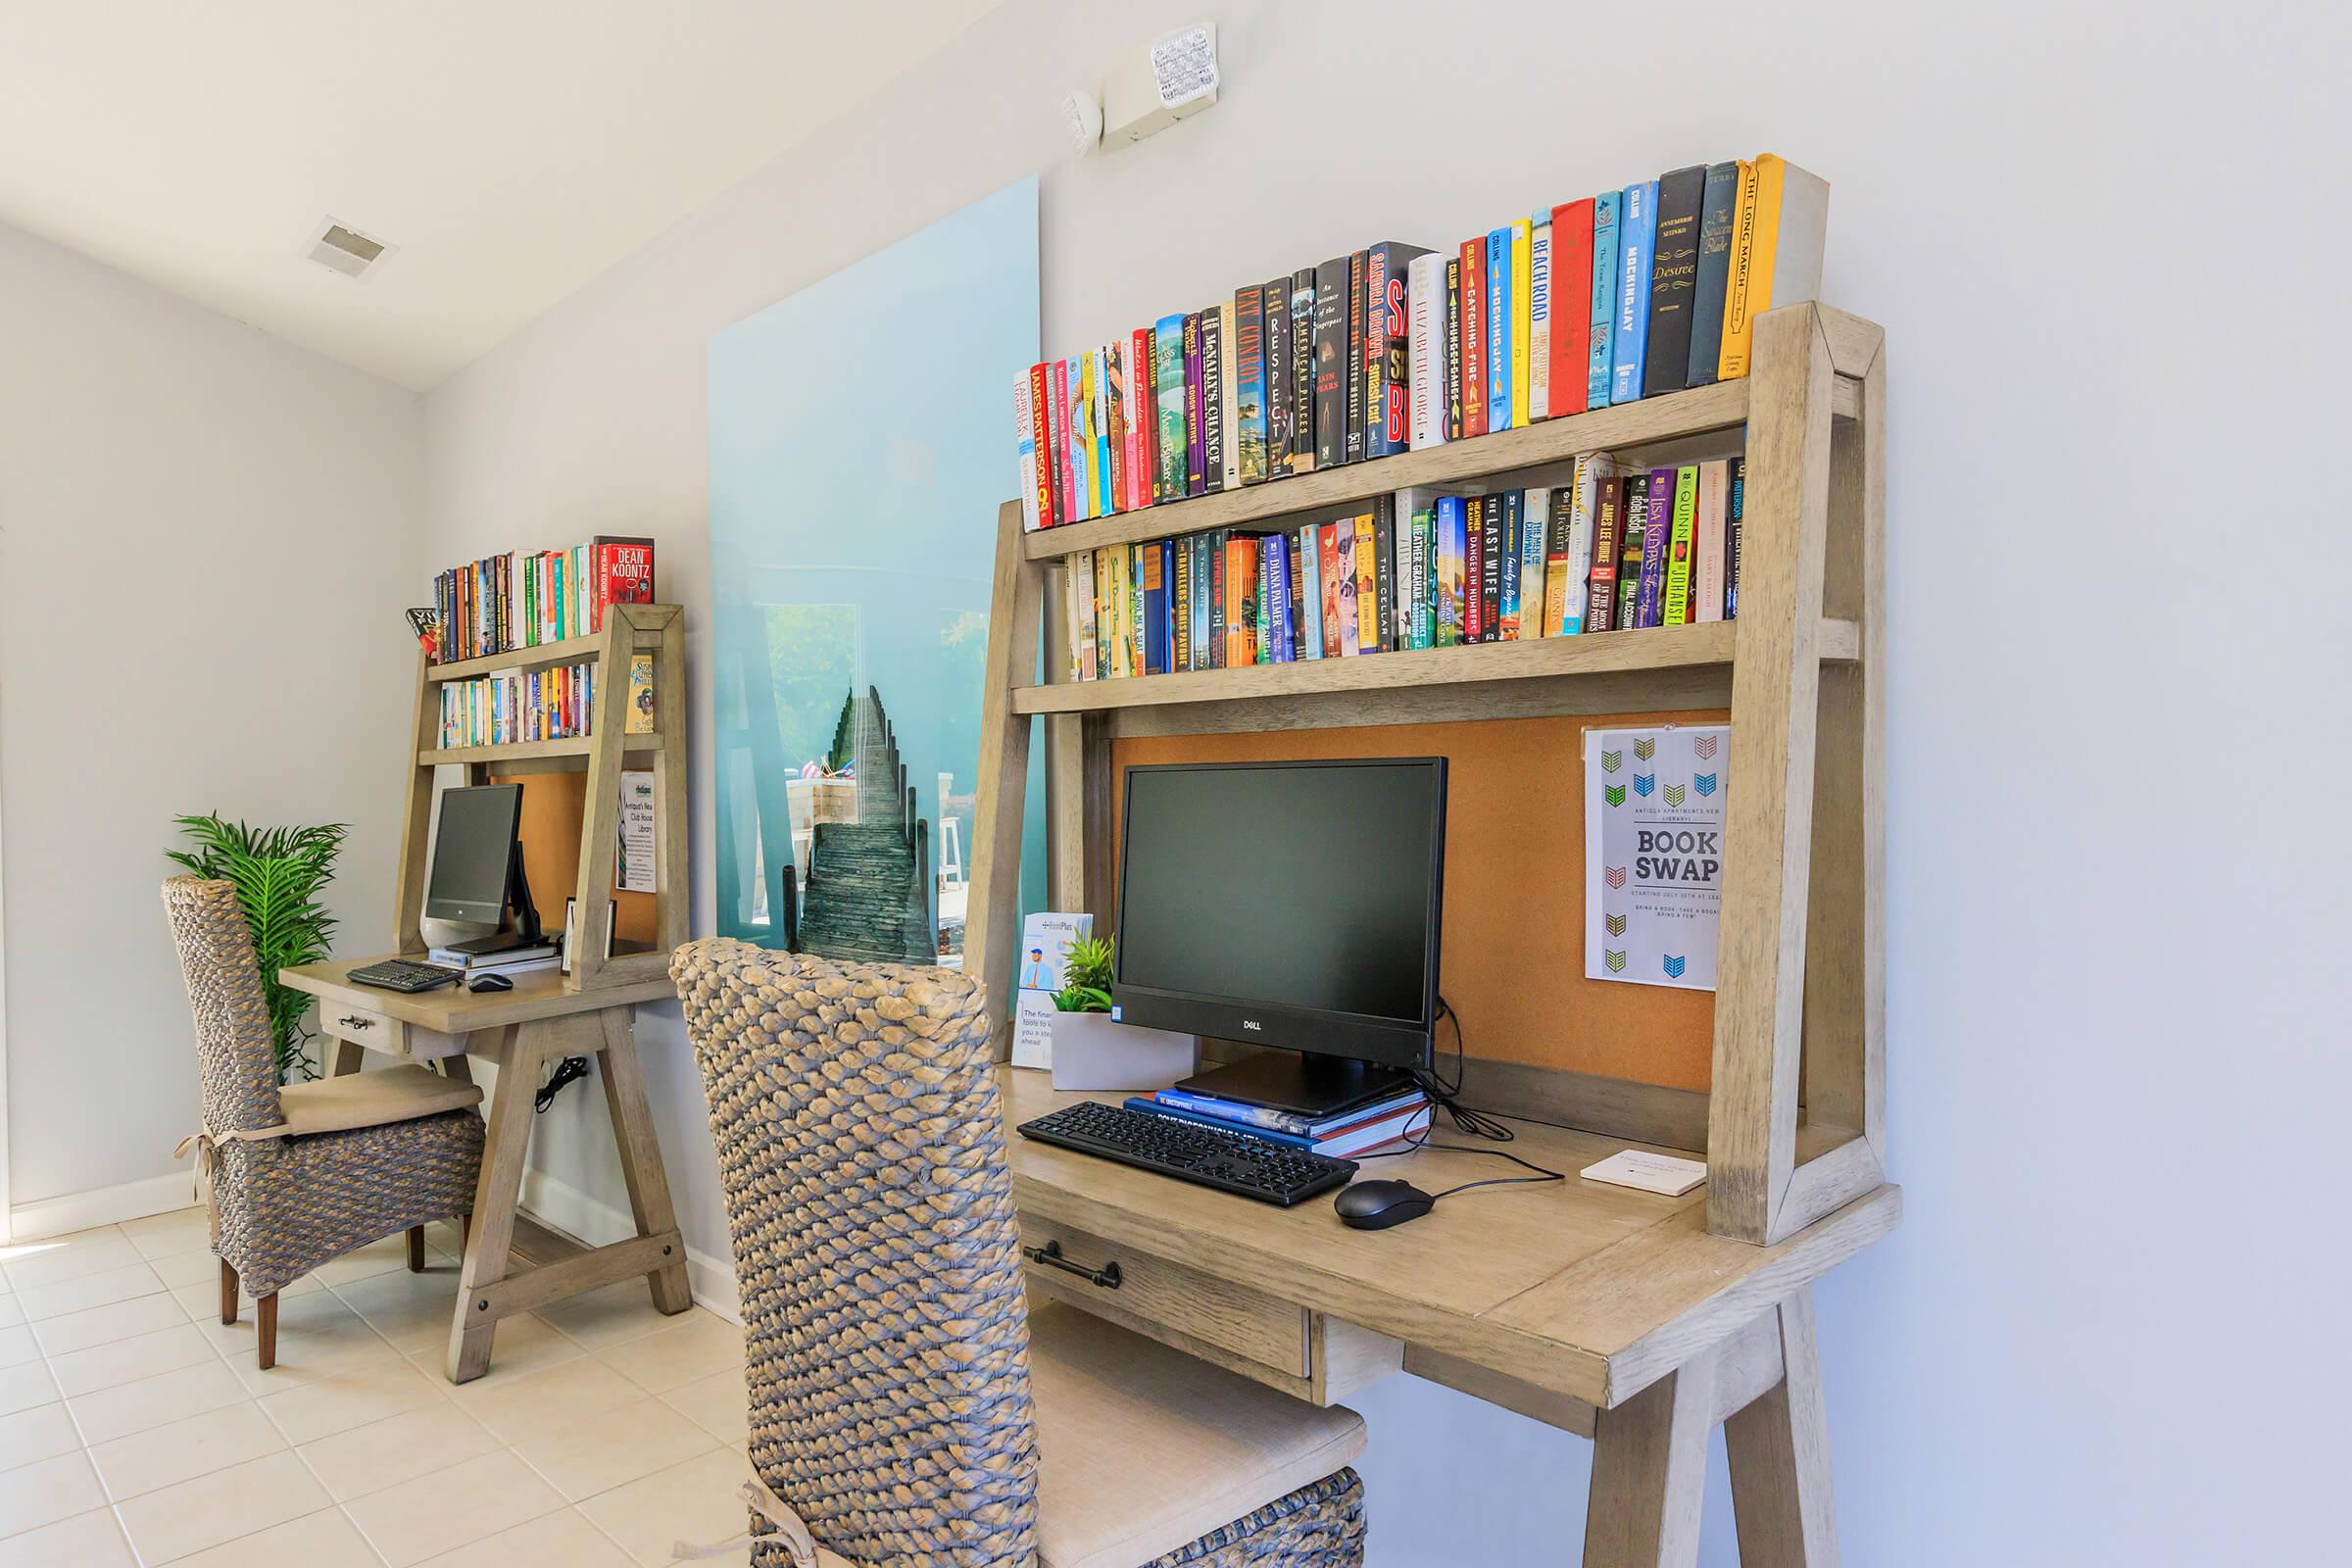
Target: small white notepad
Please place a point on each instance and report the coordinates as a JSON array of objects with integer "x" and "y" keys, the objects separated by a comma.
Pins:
[{"x": 1651, "y": 1173}]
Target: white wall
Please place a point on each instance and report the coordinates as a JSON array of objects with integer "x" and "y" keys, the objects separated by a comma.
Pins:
[
  {"x": 2097, "y": 235},
  {"x": 206, "y": 541}
]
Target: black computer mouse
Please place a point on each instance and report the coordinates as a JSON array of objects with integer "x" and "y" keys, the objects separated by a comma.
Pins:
[
  {"x": 1376, "y": 1206},
  {"x": 489, "y": 981}
]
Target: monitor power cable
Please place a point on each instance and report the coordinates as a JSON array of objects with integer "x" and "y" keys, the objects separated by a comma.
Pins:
[
  {"x": 569, "y": 1070},
  {"x": 1446, "y": 1097}
]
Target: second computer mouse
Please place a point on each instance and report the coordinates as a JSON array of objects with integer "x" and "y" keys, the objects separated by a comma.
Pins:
[
  {"x": 1376, "y": 1206},
  {"x": 489, "y": 981}
]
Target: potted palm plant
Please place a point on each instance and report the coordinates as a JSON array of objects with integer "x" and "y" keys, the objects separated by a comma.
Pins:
[
  {"x": 278, "y": 873},
  {"x": 1092, "y": 1051}
]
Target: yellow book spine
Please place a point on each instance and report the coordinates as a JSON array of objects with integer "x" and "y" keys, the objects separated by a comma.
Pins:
[
  {"x": 1368, "y": 588},
  {"x": 1739, "y": 326},
  {"x": 1523, "y": 314},
  {"x": 641, "y": 699}
]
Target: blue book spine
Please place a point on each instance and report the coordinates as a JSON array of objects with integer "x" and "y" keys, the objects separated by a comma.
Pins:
[
  {"x": 1278, "y": 598},
  {"x": 1604, "y": 300},
  {"x": 1159, "y": 581},
  {"x": 1310, "y": 587},
  {"x": 1514, "y": 524},
  {"x": 1498, "y": 329},
  {"x": 1076, "y": 452},
  {"x": 1636, "y": 234},
  {"x": 1152, "y": 1107},
  {"x": 1657, "y": 531}
]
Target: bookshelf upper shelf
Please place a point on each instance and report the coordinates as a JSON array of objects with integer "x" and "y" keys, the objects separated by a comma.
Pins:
[
  {"x": 1674, "y": 417},
  {"x": 1705, "y": 650},
  {"x": 542, "y": 656},
  {"x": 530, "y": 751}
]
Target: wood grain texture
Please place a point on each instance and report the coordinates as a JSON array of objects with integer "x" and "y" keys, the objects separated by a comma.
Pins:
[
  {"x": 505, "y": 751},
  {"x": 1649, "y": 1473},
  {"x": 1594, "y": 1103},
  {"x": 992, "y": 924},
  {"x": 454, "y": 1010},
  {"x": 674, "y": 882},
  {"x": 1343, "y": 1357},
  {"x": 600, "y": 809},
  {"x": 1497, "y": 1387},
  {"x": 1759, "y": 995},
  {"x": 416, "y": 813},
  {"x": 1512, "y": 956},
  {"x": 474, "y": 1326},
  {"x": 641, "y": 1169},
  {"x": 1778, "y": 1448},
  {"x": 1164, "y": 1295},
  {"x": 545, "y": 656}
]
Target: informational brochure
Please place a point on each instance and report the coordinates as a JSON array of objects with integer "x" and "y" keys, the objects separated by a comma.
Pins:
[
  {"x": 1653, "y": 853},
  {"x": 1046, "y": 939}
]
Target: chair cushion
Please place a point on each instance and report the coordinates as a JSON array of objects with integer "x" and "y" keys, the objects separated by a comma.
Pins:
[
  {"x": 372, "y": 1098},
  {"x": 1142, "y": 1449}
]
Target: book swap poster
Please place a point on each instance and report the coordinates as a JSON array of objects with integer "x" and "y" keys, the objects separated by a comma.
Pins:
[
  {"x": 861, "y": 446},
  {"x": 1653, "y": 853}
]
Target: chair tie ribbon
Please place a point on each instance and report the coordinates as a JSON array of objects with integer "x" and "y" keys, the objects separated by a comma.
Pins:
[
  {"x": 805, "y": 1552},
  {"x": 207, "y": 1143}
]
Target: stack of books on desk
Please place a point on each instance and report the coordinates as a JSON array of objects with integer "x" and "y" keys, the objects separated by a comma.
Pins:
[
  {"x": 512, "y": 960},
  {"x": 1342, "y": 1135}
]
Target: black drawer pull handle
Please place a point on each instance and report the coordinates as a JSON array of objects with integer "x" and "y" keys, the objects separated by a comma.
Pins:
[
  {"x": 1050, "y": 1255},
  {"x": 354, "y": 1021}
]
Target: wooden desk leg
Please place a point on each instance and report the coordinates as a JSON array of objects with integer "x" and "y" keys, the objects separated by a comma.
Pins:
[
  {"x": 1649, "y": 1473},
  {"x": 495, "y": 1193},
  {"x": 347, "y": 1057},
  {"x": 457, "y": 1068},
  {"x": 1779, "y": 1447},
  {"x": 640, "y": 1152}
]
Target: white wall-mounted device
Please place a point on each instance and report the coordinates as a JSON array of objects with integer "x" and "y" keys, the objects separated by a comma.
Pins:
[{"x": 1146, "y": 91}]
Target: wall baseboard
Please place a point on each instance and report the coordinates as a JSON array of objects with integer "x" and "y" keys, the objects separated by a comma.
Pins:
[
  {"x": 565, "y": 1207},
  {"x": 102, "y": 1205}
]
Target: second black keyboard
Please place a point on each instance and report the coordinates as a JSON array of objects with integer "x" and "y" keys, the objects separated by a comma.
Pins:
[{"x": 1232, "y": 1162}]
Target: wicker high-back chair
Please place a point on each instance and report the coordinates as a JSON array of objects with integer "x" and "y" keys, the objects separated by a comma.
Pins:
[
  {"x": 303, "y": 1174},
  {"x": 907, "y": 1406}
]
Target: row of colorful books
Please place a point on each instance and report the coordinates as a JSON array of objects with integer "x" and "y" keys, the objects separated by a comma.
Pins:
[
  {"x": 1612, "y": 550},
  {"x": 1342, "y": 1135},
  {"x": 523, "y": 704},
  {"x": 1604, "y": 300},
  {"x": 525, "y": 600}
]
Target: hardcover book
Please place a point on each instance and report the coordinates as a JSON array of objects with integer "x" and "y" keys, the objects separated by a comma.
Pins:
[
  {"x": 1522, "y": 242},
  {"x": 1213, "y": 423},
  {"x": 1737, "y": 509},
  {"x": 1294, "y": 624},
  {"x": 1180, "y": 605},
  {"x": 1143, "y": 418},
  {"x": 1717, "y": 202},
  {"x": 1025, "y": 435},
  {"x": 1635, "y": 532},
  {"x": 1082, "y": 436},
  {"x": 1358, "y": 319},
  {"x": 1065, "y": 467},
  {"x": 1452, "y": 547},
  {"x": 1475, "y": 599},
  {"x": 1331, "y": 364},
  {"x": 1302, "y": 370},
  {"x": 1167, "y": 386},
  {"x": 1229, "y": 398},
  {"x": 1534, "y": 576},
  {"x": 623, "y": 571},
  {"x": 1708, "y": 544},
  {"x": 1249, "y": 381},
  {"x": 1116, "y": 627},
  {"x": 1262, "y": 562},
  {"x": 1608, "y": 513},
  {"x": 1453, "y": 340},
  {"x": 1776, "y": 260},
  {"x": 1310, "y": 592},
  {"x": 1419, "y": 588},
  {"x": 1106, "y": 438},
  {"x": 1508, "y": 544},
  {"x": 1115, "y": 402},
  {"x": 1158, "y": 588},
  {"x": 1276, "y": 570},
  {"x": 1600, "y": 370},
  {"x": 1571, "y": 333},
  {"x": 1657, "y": 529},
  {"x": 1537, "y": 403},
  {"x": 1367, "y": 587},
  {"x": 1680, "y": 540},
  {"x": 1195, "y": 464},
  {"x": 1134, "y": 606},
  {"x": 1384, "y": 573},
  {"x": 1637, "y": 232},
  {"x": 1220, "y": 593},
  {"x": 1425, "y": 289},
  {"x": 1203, "y": 579},
  {"x": 1339, "y": 588},
  {"x": 1501, "y": 295},
  {"x": 1389, "y": 347},
  {"x": 1673, "y": 280},
  {"x": 1276, "y": 298},
  {"x": 1473, "y": 260}
]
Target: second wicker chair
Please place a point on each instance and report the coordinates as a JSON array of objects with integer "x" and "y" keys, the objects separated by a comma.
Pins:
[{"x": 908, "y": 1407}]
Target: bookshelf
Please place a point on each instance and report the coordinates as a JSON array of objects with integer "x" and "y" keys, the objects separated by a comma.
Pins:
[
  {"x": 628, "y": 629},
  {"x": 1794, "y": 1114}
]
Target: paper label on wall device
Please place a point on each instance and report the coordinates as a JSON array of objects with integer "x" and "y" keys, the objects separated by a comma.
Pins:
[{"x": 1664, "y": 1174}]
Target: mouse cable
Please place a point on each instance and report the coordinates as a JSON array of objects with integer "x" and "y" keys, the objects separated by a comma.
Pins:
[
  {"x": 567, "y": 1072},
  {"x": 1476, "y": 1123}
]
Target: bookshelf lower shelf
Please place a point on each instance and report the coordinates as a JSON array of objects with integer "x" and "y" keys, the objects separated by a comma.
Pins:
[
  {"x": 530, "y": 751},
  {"x": 1679, "y": 667}
]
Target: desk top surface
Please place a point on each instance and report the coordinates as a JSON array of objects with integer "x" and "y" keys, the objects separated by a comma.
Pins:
[
  {"x": 1593, "y": 1290},
  {"x": 456, "y": 1010}
]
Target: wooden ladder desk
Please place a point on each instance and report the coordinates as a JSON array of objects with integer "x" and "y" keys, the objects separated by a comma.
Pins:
[
  {"x": 522, "y": 1030},
  {"x": 1605, "y": 1311}
]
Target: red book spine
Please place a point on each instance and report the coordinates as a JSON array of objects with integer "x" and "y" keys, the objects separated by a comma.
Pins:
[
  {"x": 1474, "y": 336},
  {"x": 1571, "y": 298},
  {"x": 1049, "y": 453},
  {"x": 1143, "y": 418},
  {"x": 1058, "y": 377}
]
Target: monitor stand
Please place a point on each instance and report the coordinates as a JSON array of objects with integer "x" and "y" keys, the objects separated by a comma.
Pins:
[{"x": 1305, "y": 1083}]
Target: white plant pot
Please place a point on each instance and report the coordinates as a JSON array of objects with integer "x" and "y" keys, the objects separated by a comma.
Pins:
[{"x": 1092, "y": 1055}]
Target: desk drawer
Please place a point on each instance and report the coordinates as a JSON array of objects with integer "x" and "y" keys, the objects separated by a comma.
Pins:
[
  {"x": 362, "y": 1026},
  {"x": 1221, "y": 1321}
]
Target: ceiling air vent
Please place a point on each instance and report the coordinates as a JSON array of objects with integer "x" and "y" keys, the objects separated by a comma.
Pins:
[{"x": 341, "y": 248}]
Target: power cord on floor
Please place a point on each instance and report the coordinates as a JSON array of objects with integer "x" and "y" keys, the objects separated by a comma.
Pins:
[
  {"x": 569, "y": 1070},
  {"x": 1446, "y": 1097}
]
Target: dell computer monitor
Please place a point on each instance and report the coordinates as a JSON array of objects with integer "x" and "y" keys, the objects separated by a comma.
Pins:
[
  {"x": 474, "y": 853},
  {"x": 1293, "y": 904}
]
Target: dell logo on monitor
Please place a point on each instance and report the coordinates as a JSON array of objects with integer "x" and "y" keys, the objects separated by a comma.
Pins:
[{"x": 1251, "y": 1023}]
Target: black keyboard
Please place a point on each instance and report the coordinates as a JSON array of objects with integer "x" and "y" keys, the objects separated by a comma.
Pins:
[
  {"x": 1231, "y": 1162},
  {"x": 399, "y": 974}
]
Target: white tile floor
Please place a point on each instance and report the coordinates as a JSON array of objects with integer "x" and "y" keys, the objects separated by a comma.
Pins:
[{"x": 135, "y": 1428}]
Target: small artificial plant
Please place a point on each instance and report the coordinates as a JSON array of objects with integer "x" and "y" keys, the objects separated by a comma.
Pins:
[
  {"x": 278, "y": 873},
  {"x": 1086, "y": 975}
]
